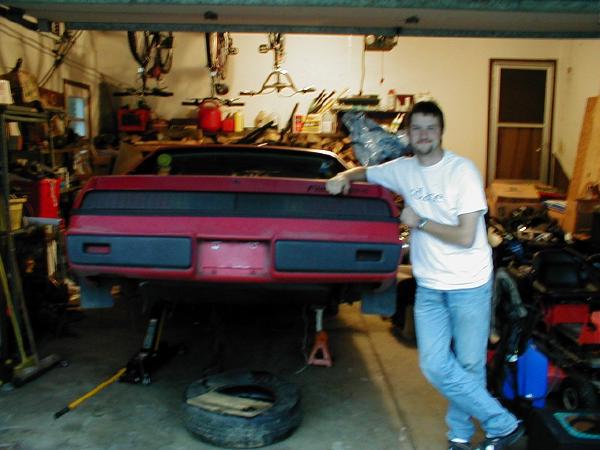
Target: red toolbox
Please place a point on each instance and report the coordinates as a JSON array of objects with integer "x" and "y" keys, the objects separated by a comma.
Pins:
[{"x": 133, "y": 120}]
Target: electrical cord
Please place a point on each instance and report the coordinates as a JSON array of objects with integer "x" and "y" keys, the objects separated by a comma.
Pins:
[
  {"x": 35, "y": 45},
  {"x": 64, "y": 46}
]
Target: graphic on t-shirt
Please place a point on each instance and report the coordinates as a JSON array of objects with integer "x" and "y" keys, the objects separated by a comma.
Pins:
[{"x": 419, "y": 193}]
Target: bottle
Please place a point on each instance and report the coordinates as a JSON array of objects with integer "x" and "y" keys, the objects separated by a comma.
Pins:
[
  {"x": 238, "y": 120},
  {"x": 391, "y": 100}
]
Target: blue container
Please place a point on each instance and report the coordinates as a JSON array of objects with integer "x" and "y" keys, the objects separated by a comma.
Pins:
[{"x": 532, "y": 377}]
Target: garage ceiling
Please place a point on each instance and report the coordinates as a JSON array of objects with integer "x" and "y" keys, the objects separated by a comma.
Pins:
[{"x": 478, "y": 18}]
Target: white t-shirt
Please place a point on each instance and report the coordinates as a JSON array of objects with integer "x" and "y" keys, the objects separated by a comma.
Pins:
[{"x": 441, "y": 193}]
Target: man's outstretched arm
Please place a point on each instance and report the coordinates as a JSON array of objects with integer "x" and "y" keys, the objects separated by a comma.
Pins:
[{"x": 340, "y": 184}]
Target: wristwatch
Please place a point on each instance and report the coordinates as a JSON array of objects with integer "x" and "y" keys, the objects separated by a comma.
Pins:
[{"x": 421, "y": 223}]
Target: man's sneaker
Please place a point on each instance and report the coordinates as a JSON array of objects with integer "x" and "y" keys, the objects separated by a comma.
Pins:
[
  {"x": 502, "y": 442},
  {"x": 459, "y": 445}
]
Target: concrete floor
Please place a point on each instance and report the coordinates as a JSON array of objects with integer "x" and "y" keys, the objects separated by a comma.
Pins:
[{"x": 373, "y": 398}]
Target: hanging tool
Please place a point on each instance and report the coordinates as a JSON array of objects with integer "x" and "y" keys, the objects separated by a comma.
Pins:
[
  {"x": 279, "y": 79},
  {"x": 75, "y": 403}
]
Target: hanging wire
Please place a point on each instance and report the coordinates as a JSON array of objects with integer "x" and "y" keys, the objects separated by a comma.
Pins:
[
  {"x": 304, "y": 348},
  {"x": 45, "y": 50},
  {"x": 62, "y": 48}
]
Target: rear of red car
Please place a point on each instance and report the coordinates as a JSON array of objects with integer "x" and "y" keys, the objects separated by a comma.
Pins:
[{"x": 215, "y": 233}]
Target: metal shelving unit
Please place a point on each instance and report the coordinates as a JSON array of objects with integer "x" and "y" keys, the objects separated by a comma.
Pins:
[{"x": 11, "y": 296}]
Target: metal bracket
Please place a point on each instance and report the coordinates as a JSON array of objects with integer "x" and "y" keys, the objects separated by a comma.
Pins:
[{"x": 281, "y": 79}]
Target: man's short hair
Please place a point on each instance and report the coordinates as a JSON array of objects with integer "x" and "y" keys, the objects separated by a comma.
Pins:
[{"x": 427, "y": 108}]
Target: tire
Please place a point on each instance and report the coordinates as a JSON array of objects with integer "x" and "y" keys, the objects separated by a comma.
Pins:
[
  {"x": 230, "y": 431},
  {"x": 139, "y": 45},
  {"x": 212, "y": 49},
  {"x": 164, "y": 55},
  {"x": 578, "y": 393},
  {"x": 217, "y": 52}
]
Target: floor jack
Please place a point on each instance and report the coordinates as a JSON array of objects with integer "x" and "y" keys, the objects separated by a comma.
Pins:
[
  {"x": 139, "y": 368},
  {"x": 320, "y": 355},
  {"x": 153, "y": 353}
]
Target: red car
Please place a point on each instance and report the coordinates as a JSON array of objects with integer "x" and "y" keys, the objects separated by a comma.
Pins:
[{"x": 222, "y": 222}]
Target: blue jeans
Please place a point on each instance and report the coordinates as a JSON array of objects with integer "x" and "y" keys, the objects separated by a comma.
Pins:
[{"x": 452, "y": 332}]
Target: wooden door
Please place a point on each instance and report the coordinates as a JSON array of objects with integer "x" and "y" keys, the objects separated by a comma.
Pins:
[{"x": 520, "y": 119}]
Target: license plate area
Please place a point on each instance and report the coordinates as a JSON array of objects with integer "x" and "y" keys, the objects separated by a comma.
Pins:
[{"x": 233, "y": 258}]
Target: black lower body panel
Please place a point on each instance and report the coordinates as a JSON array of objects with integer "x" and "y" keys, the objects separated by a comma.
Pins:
[
  {"x": 130, "y": 251},
  {"x": 339, "y": 257}
]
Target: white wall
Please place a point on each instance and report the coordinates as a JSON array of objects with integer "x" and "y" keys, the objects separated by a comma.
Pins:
[
  {"x": 454, "y": 70},
  {"x": 83, "y": 63}
]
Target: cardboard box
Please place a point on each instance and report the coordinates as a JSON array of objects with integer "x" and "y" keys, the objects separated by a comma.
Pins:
[
  {"x": 309, "y": 123},
  {"x": 315, "y": 123},
  {"x": 504, "y": 196}
]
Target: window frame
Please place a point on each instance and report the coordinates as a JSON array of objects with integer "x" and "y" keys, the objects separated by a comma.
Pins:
[{"x": 71, "y": 85}]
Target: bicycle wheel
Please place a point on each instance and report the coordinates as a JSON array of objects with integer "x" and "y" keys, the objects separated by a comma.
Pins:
[
  {"x": 211, "y": 41},
  {"x": 164, "y": 52},
  {"x": 218, "y": 47},
  {"x": 139, "y": 45}
]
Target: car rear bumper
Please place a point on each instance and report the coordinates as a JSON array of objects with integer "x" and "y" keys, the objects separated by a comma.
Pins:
[{"x": 200, "y": 260}]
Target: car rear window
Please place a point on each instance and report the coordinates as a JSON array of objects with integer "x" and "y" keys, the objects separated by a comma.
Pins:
[
  {"x": 234, "y": 204},
  {"x": 268, "y": 163}
]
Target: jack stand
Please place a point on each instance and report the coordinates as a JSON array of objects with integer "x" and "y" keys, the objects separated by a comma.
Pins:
[
  {"x": 153, "y": 353},
  {"x": 319, "y": 355}
]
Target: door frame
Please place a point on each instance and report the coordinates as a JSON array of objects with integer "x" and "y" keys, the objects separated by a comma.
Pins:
[{"x": 546, "y": 160}]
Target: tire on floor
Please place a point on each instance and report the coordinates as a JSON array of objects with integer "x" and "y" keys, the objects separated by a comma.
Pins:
[
  {"x": 232, "y": 431},
  {"x": 577, "y": 392}
]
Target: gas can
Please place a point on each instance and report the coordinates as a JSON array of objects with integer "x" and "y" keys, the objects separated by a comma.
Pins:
[{"x": 209, "y": 116}]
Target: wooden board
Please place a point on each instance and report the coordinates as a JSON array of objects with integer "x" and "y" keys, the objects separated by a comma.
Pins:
[
  {"x": 229, "y": 404},
  {"x": 587, "y": 163}
]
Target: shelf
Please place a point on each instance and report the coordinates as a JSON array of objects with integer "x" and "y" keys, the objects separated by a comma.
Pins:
[
  {"x": 369, "y": 109},
  {"x": 13, "y": 113}
]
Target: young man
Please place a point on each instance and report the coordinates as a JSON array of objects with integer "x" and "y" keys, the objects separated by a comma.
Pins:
[{"x": 452, "y": 265}]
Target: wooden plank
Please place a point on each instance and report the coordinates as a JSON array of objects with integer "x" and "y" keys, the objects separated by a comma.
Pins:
[
  {"x": 229, "y": 404},
  {"x": 587, "y": 163}
]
